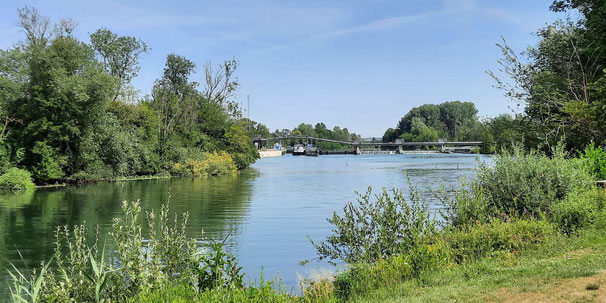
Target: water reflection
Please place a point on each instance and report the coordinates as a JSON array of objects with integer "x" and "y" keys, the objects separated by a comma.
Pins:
[
  {"x": 28, "y": 220},
  {"x": 269, "y": 210}
]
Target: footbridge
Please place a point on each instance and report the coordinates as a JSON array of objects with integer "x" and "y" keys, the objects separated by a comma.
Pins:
[{"x": 400, "y": 145}]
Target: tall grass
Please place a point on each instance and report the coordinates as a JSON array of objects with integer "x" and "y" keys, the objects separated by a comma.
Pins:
[{"x": 82, "y": 271}]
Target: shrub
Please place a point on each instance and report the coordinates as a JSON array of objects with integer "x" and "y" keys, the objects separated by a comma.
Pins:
[
  {"x": 212, "y": 164},
  {"x": 477, "y": 240},
  {"x": 373, "y": 230},
  {"x": 530, "y": 182},
  {"x": 467, "y": 205},
  {"x": 579, "y": 210},
  {"x": 16, "y": 179},
  {"x": 517, "y": 184},
  {"x": 596, "y": 159}
]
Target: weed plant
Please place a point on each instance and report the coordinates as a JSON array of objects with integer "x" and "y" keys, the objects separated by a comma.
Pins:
[{"x": 82, "y": 271}]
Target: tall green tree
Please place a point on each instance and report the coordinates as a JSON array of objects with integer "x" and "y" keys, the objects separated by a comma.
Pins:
[
  {"x": 174, "y": 97},
  {"x": 65, "y": 97},
  {"x": 454, "y": 120},
  {"x": 119, "y": 56}
]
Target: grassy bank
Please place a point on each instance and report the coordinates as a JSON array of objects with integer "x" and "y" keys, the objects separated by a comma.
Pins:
[{"x": 548, "y": 273}]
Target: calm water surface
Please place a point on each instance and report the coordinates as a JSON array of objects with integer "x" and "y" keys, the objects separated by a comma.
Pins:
[{"x": 268, "y": 211}]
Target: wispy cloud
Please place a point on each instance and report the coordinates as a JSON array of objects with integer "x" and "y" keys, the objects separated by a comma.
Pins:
[{"x": 374, "y": 25}]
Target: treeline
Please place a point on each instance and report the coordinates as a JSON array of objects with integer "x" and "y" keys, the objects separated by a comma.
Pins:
[
  {"x": 321, "y": 131},
  {"x": 69, "y": 110}
]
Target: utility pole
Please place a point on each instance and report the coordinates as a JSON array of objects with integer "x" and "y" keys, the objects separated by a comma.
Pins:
[{"x": 248, "y": 111}]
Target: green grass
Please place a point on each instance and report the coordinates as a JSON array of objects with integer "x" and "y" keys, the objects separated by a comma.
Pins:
[{"x": 484, "y": 280}]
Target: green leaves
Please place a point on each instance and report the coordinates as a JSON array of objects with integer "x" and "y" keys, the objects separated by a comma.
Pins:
[
  {"x": 377, "y": 228},
  {"x": 595, "y": 156}
]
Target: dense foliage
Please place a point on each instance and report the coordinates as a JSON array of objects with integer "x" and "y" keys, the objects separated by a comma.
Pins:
[
  {"x": 596, "y": 159},
  {"x": 16, "y": 179},
  {"x": 561, "y": 80},
  {"x": 518, "y": 184},
  {"x": 519, "y": 202},
  {"x": 69, "y": 110},
  {"x": 455, "y": 121}
]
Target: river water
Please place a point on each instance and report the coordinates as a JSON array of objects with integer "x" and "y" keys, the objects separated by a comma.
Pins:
[{"x": 267, "y": 212}]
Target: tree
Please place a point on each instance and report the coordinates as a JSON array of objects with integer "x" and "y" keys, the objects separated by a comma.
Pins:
[
  {"x": 37, "y": 28},
  {"x": 65, "y": 97},
  {"x": 556, "y": 79},
  {"x": 429, "y": 112},
  {"x": 240, "y": 146},
  {"x": 456, "y": 115},
  {"x": 390, "y": 135},
  {"x": 60, "y": 117},
  {"x": 221, "y": 85},
  {"x": 321, "y": 130},
  {"x": 119, "y": 54},
  {"x": 454, "y": 120},
  {"x": 306, "y": 130},
  {"x": 173, "y": 97}
]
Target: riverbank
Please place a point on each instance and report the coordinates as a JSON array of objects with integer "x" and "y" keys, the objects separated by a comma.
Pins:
[
  {"x": 484, "y": 243},
  {"x": 270, "y": 153},
  {"x": 569, "y": 269}
]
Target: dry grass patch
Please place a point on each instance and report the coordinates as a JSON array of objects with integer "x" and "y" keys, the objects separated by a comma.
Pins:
[{"x": 583, "y": 289}]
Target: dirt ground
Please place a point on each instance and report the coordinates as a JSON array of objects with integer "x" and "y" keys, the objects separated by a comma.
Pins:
[{"x": 567, "y": 290}]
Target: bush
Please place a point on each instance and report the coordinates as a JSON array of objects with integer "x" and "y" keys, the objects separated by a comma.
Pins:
[
  {"x": 212, "y": 164},
  {"x": 467, "y": 205},
  {"x": 518, "y": 184},
  {"x": 531, "y": 182},
  {"x": 579, "y": 210},
  {"x": 373, "y": 230},
  {"x": 16, "y": 179},
  {"x": 596, "y": 159},
  {"x": 477, "y": 240}
]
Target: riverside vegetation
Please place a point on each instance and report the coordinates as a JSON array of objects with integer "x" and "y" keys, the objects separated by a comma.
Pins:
[
  {"x": 523, "y": 204},
  {"x": 69, "y": 112},
  {"x": 525, "y": 223}
]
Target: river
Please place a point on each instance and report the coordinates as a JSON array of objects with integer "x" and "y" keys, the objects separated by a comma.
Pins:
[{"x": 267, "y": 211}]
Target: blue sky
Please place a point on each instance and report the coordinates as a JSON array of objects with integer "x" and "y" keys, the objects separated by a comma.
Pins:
[{"x": 359, "y": 64}]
